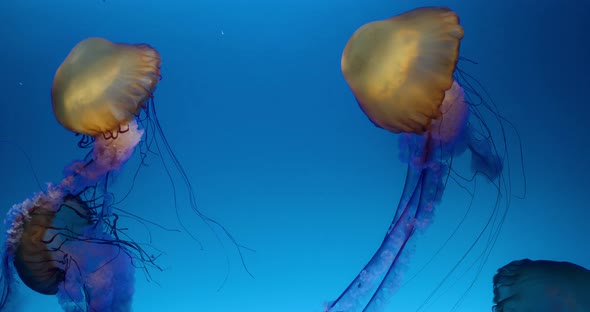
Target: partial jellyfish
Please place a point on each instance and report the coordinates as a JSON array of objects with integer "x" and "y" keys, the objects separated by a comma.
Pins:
[
  {"x": 65, "y": 241},
  {"x": 58, "y": 245},
  {"x": 403, "y": 72},
  {"x": 541, "y": 286},
  {"x": 105, "y": 89}
]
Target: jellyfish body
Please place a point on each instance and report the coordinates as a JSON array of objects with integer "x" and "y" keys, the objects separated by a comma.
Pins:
[
  {"x": 102, "y": 85},
  {"x": 40, "y": 234},
  {"x": 400, "y": 68},
  {"x": 541, "y": 286},
  {"x": 58, "y": 246},
  {"x": 401, "y": 71},
  {"x": 97, "y": 91},
  {"x": 105, "y": 91}
]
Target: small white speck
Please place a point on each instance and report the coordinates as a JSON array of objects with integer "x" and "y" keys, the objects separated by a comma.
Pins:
[
  {"x": 222, "y": 33},
  {"x": 20, "y": 83}
]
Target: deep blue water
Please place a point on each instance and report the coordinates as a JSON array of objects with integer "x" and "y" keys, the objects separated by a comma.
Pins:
[{"x": 254, "y": 104}]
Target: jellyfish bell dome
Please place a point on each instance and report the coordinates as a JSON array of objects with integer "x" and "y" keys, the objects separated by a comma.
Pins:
[
  {"x": 541, "y": 285},
  {"x": 101, "y": 85},
  {"x": 400, "y": 68},
  {"x": 41, "y": 233}
]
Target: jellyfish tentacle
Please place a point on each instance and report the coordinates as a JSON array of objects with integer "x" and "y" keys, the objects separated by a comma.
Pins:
[
  {"x": 421, "y": 192},
  {"x": 416, "y": 214},
  {"x": 483, "y": 158},
  {"x": 367, "y": 281}
]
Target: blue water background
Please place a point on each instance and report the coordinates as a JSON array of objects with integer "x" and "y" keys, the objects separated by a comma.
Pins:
[{"x": 253, "y": 102}]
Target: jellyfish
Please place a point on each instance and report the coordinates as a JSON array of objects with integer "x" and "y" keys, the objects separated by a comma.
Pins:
[
  {"x": 65, "y": 241},
  {"x": 541, "y": 285},
  {"x": 403, "y": 73},
  {"x": 57, "y": 245},
  {"x": 100, "y": 87},
  {"x": 105, "y": 89}
]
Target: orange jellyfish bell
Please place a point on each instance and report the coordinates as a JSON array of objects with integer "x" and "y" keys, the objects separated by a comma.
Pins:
[
  {"x": 400, "y": 68},
  {"x": 101, "y": 85},
  {"x": 45, "y": 229}
]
